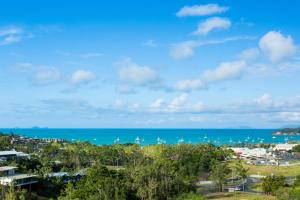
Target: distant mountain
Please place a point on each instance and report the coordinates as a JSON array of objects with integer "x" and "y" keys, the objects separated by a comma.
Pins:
[{"x": 288, "y": 131}]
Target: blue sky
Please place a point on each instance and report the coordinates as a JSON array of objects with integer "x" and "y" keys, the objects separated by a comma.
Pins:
[{"x": 188, "y": 64}]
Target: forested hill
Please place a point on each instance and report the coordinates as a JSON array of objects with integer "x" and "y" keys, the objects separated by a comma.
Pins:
[{"x": 288, "y": 131}]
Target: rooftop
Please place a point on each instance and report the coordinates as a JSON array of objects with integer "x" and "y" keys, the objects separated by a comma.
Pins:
[
  {"x": 6, "y": 168},
  {"x": 18, "y": 176}
]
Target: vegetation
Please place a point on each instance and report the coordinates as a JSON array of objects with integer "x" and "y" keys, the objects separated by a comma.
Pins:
[
  {"x": 128, "y": 171},
  {"x": 219, "y": 173},
  {"x": 289, "y": 131},
  {"x": 296, "y": 148},
  {"x": 268, "y": 170},
  {"x": 271, "y": 184},
  {"x": 117, "y": 171},
  {"x": 241, "y": 172},
  {"x": 239, "y": 196}
]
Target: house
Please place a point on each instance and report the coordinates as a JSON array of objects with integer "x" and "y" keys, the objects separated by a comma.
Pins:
[
  {"x": 4, "y": 155},
  {"x": 8, "y": 176}
]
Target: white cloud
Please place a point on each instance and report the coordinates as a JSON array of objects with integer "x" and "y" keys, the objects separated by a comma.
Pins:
[
  {"x": 187, "y": 85},
  {"x": 265, "y": 100},
  {"x": 211, "y": 24},
  {"x": 135, "y": 74},
  {"x": 46, "y": 76},
  {"x": 187, "y": 48},
  {"x": 277, "y": 46},
  {"x": 201, "y": 10},
  {"x": 157, "y": 104},
  {"x": 82, "y": 76},
  {"x": 10, "y": 35},
  {"x": 150, "y": 43},
  {"x": 225, "y": 71},
  {"x": 38, "y": 74},
  {"x": 290, "y": 117},
  {"x": 249, "y": 54},
  {"x": 125, "y": 89},
  {"x": 178, "y": 102},
  {"x": 91, "y": 55},
  {"x": 183, "y": 50}
]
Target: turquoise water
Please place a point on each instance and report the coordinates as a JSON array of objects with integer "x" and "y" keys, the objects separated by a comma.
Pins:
[{"x": 154, "y": 136}]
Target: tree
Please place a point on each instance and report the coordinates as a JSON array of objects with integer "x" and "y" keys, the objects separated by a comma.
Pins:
[
  {"x": 296, "y": 148},
  {"x": 12, "y": 193},
  {"x": 290, "y": 194},
  {"x": 241, "y": 172},
  {"x": 218, "y": 173},
  {"x": 158, "y": 179},
  {"x": 271, "y": 184},
  {"x": 297, "y": 181},
  {"x": 100, "y": 183}
]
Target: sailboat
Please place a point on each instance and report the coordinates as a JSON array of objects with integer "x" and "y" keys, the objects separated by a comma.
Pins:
[
  {"x": 180, "y": 141},
  {"x": 137, "y": 140},
  {"x": 117, "y": 140}
]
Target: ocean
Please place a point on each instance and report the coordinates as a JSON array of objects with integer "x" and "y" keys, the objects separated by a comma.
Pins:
[{"x": 156, "y": 136}]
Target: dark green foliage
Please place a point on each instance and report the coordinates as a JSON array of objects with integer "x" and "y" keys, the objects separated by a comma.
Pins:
[
  {"x": 271, "y": 184},
  {"x": 219, "y": 172},
  {"x": 288, "y": 194},
  {"x": 296, "y": 149},
  {"x": 100, "y": 183}
]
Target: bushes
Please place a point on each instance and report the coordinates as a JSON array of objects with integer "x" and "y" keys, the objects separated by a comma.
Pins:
[{"x": 271, "y": 184}]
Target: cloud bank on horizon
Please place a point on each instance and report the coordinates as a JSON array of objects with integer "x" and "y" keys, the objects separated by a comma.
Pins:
[{"x": 94, "y": 64}]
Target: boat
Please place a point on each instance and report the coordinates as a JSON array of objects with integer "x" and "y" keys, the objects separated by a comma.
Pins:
[
  {"x": 137, "y": 140},
  {"x": 180, "y": 141},
  {"x": 117, "y": 140}
]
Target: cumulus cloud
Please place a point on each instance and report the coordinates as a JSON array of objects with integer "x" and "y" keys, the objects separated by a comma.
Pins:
[
  {"x": 225, "y": 71},
  {"x": 37, "y": 75},
  {"x": 133, "y": 73},
  {"x": 188, "y": 85},
  {"x": 183, "y": 50},
  {"x": 201, "y": 10},
  {"x": 276, "y": 46},
  {"x": 265, "y": 100},
  {"x": 178, "y": 102},
  {"x": 157, "y": 104},
  {"x": 213, "y": 23},
  {"x": 249, "y": 54},
  {"x": 82, "y": 76}
]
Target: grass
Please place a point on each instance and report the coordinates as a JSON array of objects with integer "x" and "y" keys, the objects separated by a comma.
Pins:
[
  {"x": 275, "y": 170},
  {"x": 257, "y": 187},
  {"x": 239, "y": 196}
]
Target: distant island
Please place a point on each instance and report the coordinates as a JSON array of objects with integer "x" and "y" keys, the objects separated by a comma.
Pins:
[{"x": 287, "y": 131}]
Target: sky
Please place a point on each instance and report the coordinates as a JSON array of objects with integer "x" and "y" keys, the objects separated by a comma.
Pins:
[{"x": 150, "y": 64}]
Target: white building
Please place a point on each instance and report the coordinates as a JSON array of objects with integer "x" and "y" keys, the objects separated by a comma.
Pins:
[
  {"x": 8, "y": 176},
  {"x": 12, "y": 154},
  {"x": 284, "y": 147},
  {"x": 246, "y": 152}
]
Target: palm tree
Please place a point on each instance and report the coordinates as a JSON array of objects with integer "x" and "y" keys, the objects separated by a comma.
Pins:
[
  {"x": 218, "y": 174},
  {"x": 241, "y": 172}
]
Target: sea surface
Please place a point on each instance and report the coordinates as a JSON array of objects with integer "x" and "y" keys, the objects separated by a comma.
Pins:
[{"x": 156, "y": 136}]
